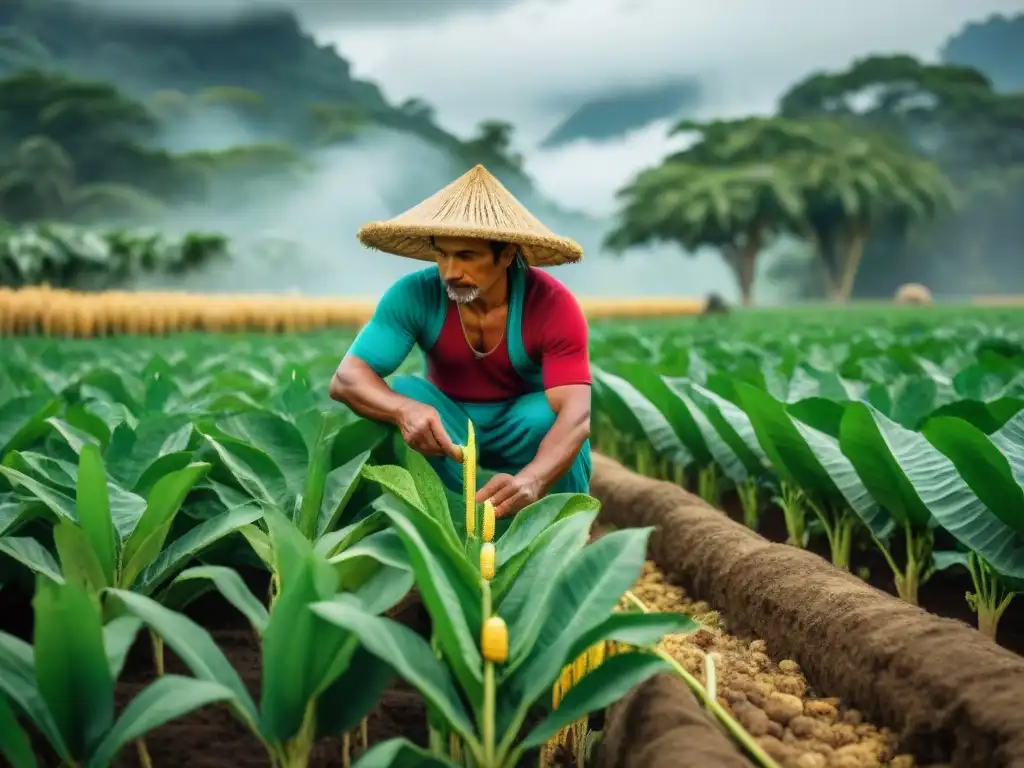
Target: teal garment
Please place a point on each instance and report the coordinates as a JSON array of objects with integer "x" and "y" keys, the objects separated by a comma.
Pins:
[
  {"x": 412, "y": 313},
  {"x": 508, "y": 434}
]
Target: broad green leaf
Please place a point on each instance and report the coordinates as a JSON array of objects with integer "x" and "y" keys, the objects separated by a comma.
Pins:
[
  {"x": 431, "y": 492},
  {"x": 146, "y": 541},
  {"x": 348, "y": 699},
  {"x": 449, "y": 586},
  {"x": 640, "y": 630},
  {"x": 585, "y": 593},
  {"x": 529, "y": 523},
  {"x": 340, "y": 484},
  {"x": 266, "y": 485},
  {"x": 23, "y": 420},
  {"x": 878, "y": 447},
  {"x": 78, "y": 562},
  {"x": 33, "y": 555},
  {"x": 275, "y": 437},
  {"x": 396, "y": 480},
  {"x": 75, "y": 438},
  {"x": 401, "y": 753},
  {"x": 14, "y": 742},
  {"x": 196, "y": 649},
  {"x": 722, "y": 451},
  {"x": 983, "y": 466},
  {"x": 60, "y": 504},
  {"x": 93, "y": 507},
  {"x": 598, "y": 689},
  {"x": 628, "y": 406},
  {"x": 166, "y": 699},
  {"x": 181, "y": 551},
  {"x": 536, "y": 581},
  {"x": 232, "y": 588},
  {"x": 18, "y": 683},
  {"x": 407, "y": 653},
  {"x": 71, "y": 664},
  {"x": 337, "y": 541},
  {"x": 118, "y": 636}
]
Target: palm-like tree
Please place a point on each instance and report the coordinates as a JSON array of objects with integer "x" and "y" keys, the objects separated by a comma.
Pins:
[
  {"x": 856, "y": 186},
  {"x": 734, "y": 209}
]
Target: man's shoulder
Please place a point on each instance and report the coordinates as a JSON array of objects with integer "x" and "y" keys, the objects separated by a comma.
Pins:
[
  {"x": 547, "y": 290},
  {"x": 417, "y": 286}
]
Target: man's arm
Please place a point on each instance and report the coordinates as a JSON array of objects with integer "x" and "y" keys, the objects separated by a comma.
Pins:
[
  {"x": 377, "y": 351},
  {"x": 559, "y": 448}
]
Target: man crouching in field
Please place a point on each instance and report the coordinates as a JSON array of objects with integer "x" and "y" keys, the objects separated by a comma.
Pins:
[{"x": 505, "y": 345}]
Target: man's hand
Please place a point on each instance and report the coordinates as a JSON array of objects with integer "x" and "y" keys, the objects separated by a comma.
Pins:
[
  {"x": 509, "y": 494},
  {"x": 422, "y": 431}
]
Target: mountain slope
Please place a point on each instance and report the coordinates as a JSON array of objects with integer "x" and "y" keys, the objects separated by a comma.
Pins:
[{"x": 994, "y": 46}]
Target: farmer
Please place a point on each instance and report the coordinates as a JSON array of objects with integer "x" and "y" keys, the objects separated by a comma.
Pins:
[{"x": 505, "y": 345}]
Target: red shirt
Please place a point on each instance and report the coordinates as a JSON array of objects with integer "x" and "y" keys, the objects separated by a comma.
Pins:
[{"x": 554, "y": 334}]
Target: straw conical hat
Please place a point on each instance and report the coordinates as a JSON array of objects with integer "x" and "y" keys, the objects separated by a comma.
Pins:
[{"x": 474, "y": 205}]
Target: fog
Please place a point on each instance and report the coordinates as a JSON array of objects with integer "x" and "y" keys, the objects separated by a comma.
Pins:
[{"x": 302, "y": 238}]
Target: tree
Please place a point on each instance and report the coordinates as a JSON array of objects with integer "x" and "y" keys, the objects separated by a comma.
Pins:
[
  {"x": 735, "y": 209},
  {"x": 493, "y": 140}
]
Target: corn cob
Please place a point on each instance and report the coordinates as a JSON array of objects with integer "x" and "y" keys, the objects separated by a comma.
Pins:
[
  {"x": 469, "y": 480},
  {"x": 487, "y": 534},
  {"x": 494, "y": 640},
  {"x": 488, "y": 558}
]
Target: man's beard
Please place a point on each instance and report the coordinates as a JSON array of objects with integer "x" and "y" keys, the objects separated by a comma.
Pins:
[{"x": 462, "y": 294}]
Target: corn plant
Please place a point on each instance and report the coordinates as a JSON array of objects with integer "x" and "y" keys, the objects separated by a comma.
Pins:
[
  {"x": 64, "y": 683},
  {"x": 500, "y": 644},
  {"x": 109, "y": 537},
  {"x": 317, "y": 680}
]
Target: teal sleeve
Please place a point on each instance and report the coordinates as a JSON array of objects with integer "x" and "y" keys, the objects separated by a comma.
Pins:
[{"x": 397, "y": 324}]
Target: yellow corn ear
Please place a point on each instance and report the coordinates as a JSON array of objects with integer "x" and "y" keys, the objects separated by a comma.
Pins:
[
  {"x": 579, "y": 667},
  {"x": 469, "y": 480},
  {"x": 556, "y": 694},
  {"x": 487, "y": 534},
  {"x": 595, "y": 655},
  {"x": 494, "y": 640},
  {"x": 488, "y": 558},
  {"x": 566, "y": 680}
]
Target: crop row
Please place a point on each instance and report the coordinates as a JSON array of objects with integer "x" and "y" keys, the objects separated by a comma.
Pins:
[
  {"x": 139, "y": 475},
  {"x": 910, "y": 437}
]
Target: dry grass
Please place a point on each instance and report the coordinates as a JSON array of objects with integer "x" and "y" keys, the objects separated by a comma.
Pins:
[{"x": 53, "y": 312}]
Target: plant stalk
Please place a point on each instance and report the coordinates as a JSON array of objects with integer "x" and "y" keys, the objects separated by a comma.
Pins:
[
  {"x": 990, "y": 598},
  {"x": 490, "y": 690}
]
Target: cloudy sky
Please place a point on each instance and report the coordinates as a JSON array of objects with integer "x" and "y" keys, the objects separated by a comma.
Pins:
[{"x": 523, "y": 60}]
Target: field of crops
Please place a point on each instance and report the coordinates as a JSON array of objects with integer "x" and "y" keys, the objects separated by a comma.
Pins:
[
  {"x": 875, "y": 432},
  {"x": 216, "y": 559}
]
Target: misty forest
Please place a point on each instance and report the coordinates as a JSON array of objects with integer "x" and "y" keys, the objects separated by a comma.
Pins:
[{"x": 139, "y": 153}]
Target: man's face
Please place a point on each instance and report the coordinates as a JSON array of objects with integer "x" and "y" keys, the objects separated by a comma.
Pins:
[{"x": 469, "y": 267}]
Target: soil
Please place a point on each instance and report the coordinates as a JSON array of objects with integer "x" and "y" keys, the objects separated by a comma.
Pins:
[
  {"x": 942, "y": 594},
  {"x": 949, "y": 694}
]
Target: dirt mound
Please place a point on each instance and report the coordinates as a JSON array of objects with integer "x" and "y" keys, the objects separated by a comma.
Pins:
[
  {"x": 660, "y": 725},
  {"x": 952, "y": 694}
]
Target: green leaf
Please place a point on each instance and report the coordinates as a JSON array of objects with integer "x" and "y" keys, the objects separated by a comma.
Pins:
[
  {"x": 407, "y": 653},
  {"x": 23, "y": 420},
  {"x": 232, "y": 588},
  {"x": 76, "y": 438},
  {"x": 275, "y": 437},
  {"x": 14, "y": 742},
  {"x": 118, "y": 637},
  {"x": 79, "y": 564},
  {"x": 18, "y": 683},
  {"x": 401, "y": 753},
  {"x": 872, "y": 443},
  {"x": 146, "y": 541},
  {"x": 196, "y": 649},
  {"x": 628, "y": 406},
  {"x": 598, "y": 689},
  {"x": 308, "y": 513},
  {"x": 348, "y": 699},
  {"x": 169, "y": 697},
  {"x": 396, "y": 480},
  {"x": 337, "y": 541},
  {"x": 532, "y": 589},
  {"x": 71, "y": 664},
  {"x": 640, "y": 630},
  {"x": 301, "y": 655},
  {"x": 32, "y": 555},
  {"x": 60, "y": 504},
  {"x": 184, "y": 549},
  {"x": 586, "y": 592},
  {"x": 449, "y": 586},
  {"x": 432, "y": 493},
  {"x": 94, "y": 520},
  {"x": 531, "y": 522},
  {"x": 340, "y": 484},
  {"x": 983, "y": 466}
]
